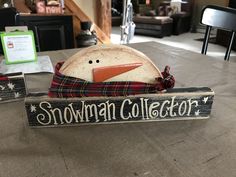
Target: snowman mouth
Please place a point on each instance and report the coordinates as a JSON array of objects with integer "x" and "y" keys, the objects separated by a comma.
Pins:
[{"x": 103, "y": 73}]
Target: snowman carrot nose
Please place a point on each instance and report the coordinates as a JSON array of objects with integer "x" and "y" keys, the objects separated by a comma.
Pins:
[{"x": 103, "y": 73}]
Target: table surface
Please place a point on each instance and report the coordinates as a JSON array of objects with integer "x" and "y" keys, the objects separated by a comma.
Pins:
[{"x": 196, "y": 148}]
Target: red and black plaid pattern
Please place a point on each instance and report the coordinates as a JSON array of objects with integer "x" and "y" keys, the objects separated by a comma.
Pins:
[
  {"x": 3, "y": 77},
  {"x": 64, "y": 86}
]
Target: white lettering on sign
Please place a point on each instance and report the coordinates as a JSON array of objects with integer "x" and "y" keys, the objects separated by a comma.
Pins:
[
  {"x": 153, "y": 112},
  {"x": 41, "y": 7},
  {"x": 118, "y": 110},
  {"x": 124, "y": 105},
  {"x": 42, "y": 118}
]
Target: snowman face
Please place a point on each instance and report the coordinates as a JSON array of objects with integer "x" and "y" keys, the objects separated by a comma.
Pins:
[
  {"x": 102, "y": 72},
  {"x": 110, "y": 64},
  {"x": 101, "y": 66}
]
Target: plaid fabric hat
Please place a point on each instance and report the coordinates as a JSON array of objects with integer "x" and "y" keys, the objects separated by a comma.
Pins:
[{"x": 64, "y": 86}]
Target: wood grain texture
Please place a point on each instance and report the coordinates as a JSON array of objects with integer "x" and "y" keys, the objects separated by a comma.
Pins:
[
  {"x": 178, "y": 104},
  {"x": 104, "y": 16},
  {"x": 79, "y": 16},
  {"x": 21, "y": 6}
]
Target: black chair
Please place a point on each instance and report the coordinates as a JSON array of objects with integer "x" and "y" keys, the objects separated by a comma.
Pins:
[{"x": 218, "y": 17}]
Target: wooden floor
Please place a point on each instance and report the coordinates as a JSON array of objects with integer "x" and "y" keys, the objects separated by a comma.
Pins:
[{"x": 188, "y": 41}]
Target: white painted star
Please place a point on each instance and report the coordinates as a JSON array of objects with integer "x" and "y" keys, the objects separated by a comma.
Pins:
[
  {"x": 32, "y": 108},
  {"x": 205, "y": 99},
  {"x": 2, "y": 88},
  {"x": 197, "y": 113},
  {"x": 10, "y": 86},
  {"x": 17, "y": 94}
]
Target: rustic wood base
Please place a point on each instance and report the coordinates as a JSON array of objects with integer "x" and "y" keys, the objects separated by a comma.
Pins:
[{"x": 175, "y": 104}]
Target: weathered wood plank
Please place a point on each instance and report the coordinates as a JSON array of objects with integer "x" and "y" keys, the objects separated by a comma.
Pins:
[
  {"x": 13, "y": 88},
  {"x": 175, "y": 104}
]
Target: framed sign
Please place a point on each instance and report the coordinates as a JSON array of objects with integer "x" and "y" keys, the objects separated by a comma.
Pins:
[
  {"x": 12, "y": 87},
  {"x": 18, "y": 47}
]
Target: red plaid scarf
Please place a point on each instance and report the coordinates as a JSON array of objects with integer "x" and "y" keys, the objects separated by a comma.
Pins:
[
  {"x": 3, "y": 78},
  {"x": 64, "y": 86}
]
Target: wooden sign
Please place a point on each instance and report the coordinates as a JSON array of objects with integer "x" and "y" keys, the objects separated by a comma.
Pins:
[
  {"x": 53, "y": 9},
  {"x": 176, "y": 104},
  {"x": 12, "y": 87},
  {"x": 41, "y": 7}
]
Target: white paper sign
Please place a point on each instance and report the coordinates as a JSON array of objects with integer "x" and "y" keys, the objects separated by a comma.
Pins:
[{"x": 18, "y": 47}]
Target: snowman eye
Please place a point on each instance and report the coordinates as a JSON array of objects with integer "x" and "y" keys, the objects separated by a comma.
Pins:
[
  {"x": 97, "y": 61},
  {"x": 90, "y": 61}
]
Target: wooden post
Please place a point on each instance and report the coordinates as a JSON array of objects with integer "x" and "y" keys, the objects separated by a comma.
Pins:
[
  {"x": 79, "y": 16},
  {"x": 104, "y": 16}
]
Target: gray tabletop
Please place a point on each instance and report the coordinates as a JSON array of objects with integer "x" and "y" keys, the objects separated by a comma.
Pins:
[{"x": 193, "y": 148}]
